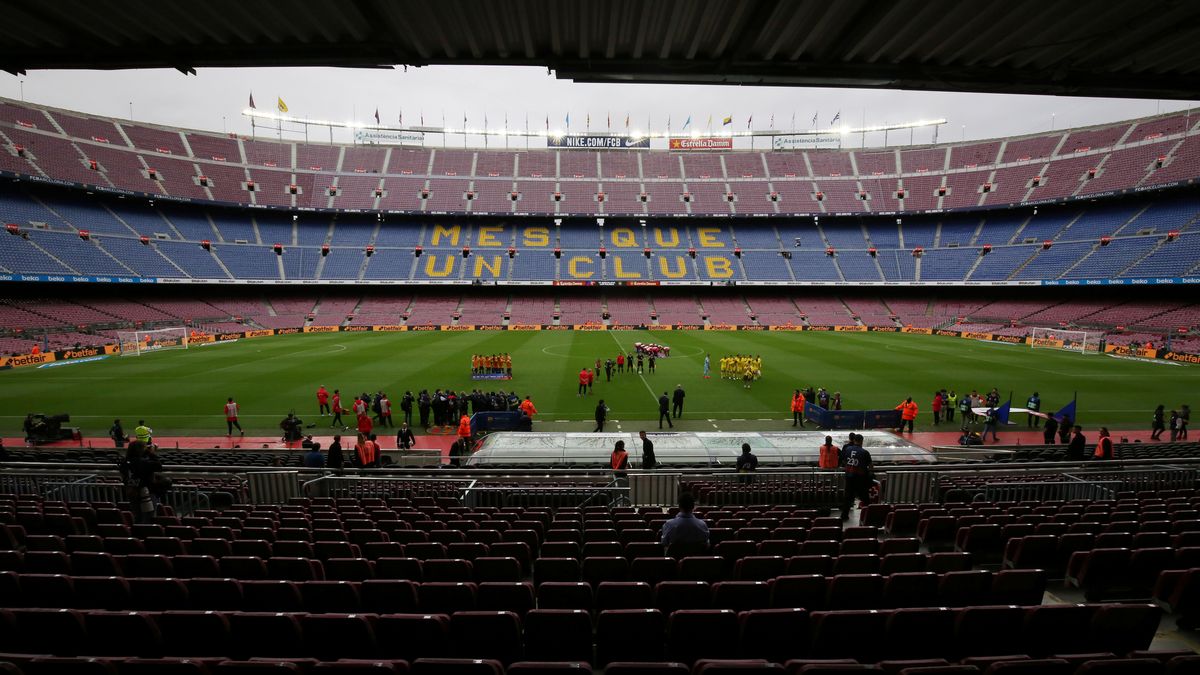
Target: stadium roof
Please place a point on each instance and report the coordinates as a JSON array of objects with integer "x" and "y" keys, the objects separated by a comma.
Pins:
[{"x": 1069, "y": 47}]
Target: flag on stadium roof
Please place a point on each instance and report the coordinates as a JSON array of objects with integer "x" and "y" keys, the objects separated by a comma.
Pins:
[
  {"x": 814, "y": 122},
  {"x": 377, "y": 116},
  {"x": 281, "y": 105},
  {"x": 626, "y": 121},
  {"x": 749, "y": 120},
  {"x": 688, "y": 122},
  {"x": 727, "y": 120},
  {"x": 252, "y": 107},
  {"x": 836, "y": 117}
]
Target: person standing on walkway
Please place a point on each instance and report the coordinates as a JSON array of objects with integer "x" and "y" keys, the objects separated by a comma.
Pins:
[
  {"x": 798, "y": 409},
  {"x": 664, "y": 410},
  {"x": 1158, "y": 423},
  {"x": 601, "y": 416},
  {"x": 649, "y": 461},
  {"x": 231, "y": 417},
  {"x": 908, "y": 415}
]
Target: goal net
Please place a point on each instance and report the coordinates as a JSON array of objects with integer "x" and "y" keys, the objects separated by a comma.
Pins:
[
  {"x": 1082, "y": 341},
  {"x": 136, "y": 343}
]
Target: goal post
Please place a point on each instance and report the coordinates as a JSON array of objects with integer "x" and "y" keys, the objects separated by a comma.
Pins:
[
  {"x": 138, "y": 342},
  {"x": 1082, "y": 341}
]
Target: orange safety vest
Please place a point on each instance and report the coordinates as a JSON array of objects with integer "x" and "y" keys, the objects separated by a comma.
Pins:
[
  {"x": 798, "y": 403},
  {"x": 1104, "y": 449},
  {"x": 620, "y": 460},
  {"x": 829, "y": 457},
  {"x": 908, "y": 411},
  {"x": 464, "y": 427},
  {"x": 368, "y": 451},
  {"x": 527, "y": 408}
]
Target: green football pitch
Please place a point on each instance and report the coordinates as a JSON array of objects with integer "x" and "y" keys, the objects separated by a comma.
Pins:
[{"x": 182, "y": 392}]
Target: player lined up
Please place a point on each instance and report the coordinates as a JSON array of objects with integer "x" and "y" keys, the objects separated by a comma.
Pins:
[{"x": 491, "y": 364}]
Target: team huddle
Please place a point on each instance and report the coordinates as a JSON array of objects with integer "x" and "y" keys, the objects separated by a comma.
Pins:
[
  {"x": 491, "y": 364},
  {"x": 741, "y": 367}
]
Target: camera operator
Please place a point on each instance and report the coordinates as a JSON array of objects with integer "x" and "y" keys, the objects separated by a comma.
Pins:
[{"x": 291, "y": 426}]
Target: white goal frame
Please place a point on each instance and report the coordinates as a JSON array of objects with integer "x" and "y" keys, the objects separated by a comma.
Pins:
[
  {"x": 1082, "y": 341},
  {"x": 138, "y": 342}
]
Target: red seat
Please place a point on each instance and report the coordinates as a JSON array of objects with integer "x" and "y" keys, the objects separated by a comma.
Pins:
[
  {"x": 629, "y": 635},
  {"x": 855, "y": 591},
  {"x": 428, "y": 666},
  {"x": 774, "y": 634},
  {"x": 989, "y": 630},
  {"x": 920, "y": 633},
  {"x": 447, "y": 597},
  {"x": 349, "y": 569},
  {"x": 336, "y": 636},
  {"x": 565, "y": 595},
  {"x": 123, "y": 634},
  {"x": 760, "y": 568},
  {"x": 270, "y": 635},
  {"x": 806, "y": 591},
  {"x": 555, "y": 569},
  {"x": 506, "y": 596},
  {"x": 597, "y": 570},
  {"x": 411, "y": 636},
  {"x": 670, "y": 596},
  {"x": 558, "y": 635},
  {"x": 157, "y": 594},
  {"x": 331, "y": 596},
  {"x": 654, "y": 569},
  {"x": 741, "y": 596},
  {"x": 386, "y": 596},
  {"x": 486, "y": 635},
  {"x": 215, "y": 594},
  {"x": 848, "y": 634},
  {"x": 910, "y": 589},
  {"x": 271, "y": 596}
]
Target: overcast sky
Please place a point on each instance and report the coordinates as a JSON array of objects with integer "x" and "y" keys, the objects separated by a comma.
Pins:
[{"x": 214, "y": 99}]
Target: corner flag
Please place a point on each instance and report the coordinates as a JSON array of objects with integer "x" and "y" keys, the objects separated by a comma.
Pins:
[{"x": 281, "y": 105}]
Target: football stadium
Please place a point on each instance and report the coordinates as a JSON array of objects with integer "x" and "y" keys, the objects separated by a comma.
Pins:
[{"x": 715, "y": 394}]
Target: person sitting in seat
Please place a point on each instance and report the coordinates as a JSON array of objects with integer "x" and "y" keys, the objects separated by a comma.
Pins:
[{"x": 685, "y": 533}]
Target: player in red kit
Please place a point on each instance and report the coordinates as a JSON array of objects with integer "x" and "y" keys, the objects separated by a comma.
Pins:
[
  {"x": 337, "y": 410},
  {"x": 231, "y": 417},
  {"x": 364, "y": 424},
  {"x": 323, "y": 400},
  {"x": 584, "y": 374}
]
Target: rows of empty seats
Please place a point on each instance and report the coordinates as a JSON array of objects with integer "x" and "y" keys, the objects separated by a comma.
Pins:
[
  {"x": 637, "y": 635},
  {"x": 426, "y": 584},
  {"x": 197, "y": 165},
  {"x": 1125, "y": 238}
]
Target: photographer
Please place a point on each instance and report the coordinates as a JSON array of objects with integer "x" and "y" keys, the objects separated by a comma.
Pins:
[
  {"x": 145, "y": 485},
  {"x": 291, "y": 426}
]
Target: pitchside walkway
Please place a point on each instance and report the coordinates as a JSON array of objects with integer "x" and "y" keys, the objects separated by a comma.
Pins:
[{"x": 925, "y": 439}]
